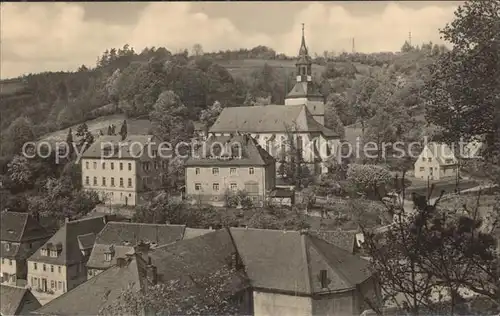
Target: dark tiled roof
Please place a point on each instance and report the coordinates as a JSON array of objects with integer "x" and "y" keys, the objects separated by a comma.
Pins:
[
  {"x": 86, "y": 241},
  {"x": 195, "y": 232},
  {"x": 121, "y": 148},
  {"x": 123, "y": 232},
  {"x": 291, "y": 261},
  {"x": 345, "y": 239},
  {"x": 268, "y": 119},
  {"x": 20, "y": 227},
  {"x": 251, "y": 153},
  {"x": 12, "y": 300},
  {"x": 67, "y": 237},
  {"x": 102, "y": 290},
  {"x": 197, "y": 257},
  {"x": 124, "y": 236}
]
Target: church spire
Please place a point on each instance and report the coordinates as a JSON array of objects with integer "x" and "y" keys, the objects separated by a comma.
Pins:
[
  {"x": 304, "y": 63},
  {"x": 303, "y": 48}
]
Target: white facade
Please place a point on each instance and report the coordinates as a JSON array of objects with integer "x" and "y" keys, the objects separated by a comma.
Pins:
[
  {"x": 115, "y": 180},
  {"x": 8, "y": 271},
  {"x": 435, "y": 162}
]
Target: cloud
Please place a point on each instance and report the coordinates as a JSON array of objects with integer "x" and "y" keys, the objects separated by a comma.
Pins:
[
  {"x": 332, "y": 27},
  {"x": 56, "y": 36}
]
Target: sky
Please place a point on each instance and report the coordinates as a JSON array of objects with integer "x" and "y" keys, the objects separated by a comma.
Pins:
[{"x": 62, "y": 36}]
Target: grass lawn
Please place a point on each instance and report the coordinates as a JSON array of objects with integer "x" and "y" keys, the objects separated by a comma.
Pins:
[{"x": 135, "y": 126}]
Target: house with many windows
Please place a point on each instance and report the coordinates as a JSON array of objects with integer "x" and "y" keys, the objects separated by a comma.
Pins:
[
  {"x": 60, "y": 264},
  {"x": 435, "y": 162},
  {"x": 124, "y": 171},
  {"x": 21, "y": 236},
  {"x": 228, "y": 164}
]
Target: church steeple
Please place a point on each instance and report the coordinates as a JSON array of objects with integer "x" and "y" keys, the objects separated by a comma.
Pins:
[
  {"x": 303, "y": 48},
  {"x": 304, "y": 63}
]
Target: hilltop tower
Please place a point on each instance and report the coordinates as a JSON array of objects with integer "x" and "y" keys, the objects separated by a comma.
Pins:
[{"x": 304, "y": 90}]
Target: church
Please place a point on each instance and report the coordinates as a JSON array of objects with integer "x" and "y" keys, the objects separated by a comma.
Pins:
[{"x": 301, "y": 119}]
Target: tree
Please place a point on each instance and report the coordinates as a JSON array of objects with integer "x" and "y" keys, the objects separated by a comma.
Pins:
[
  {"x": 81, "y": 130},
  {"x": 332, "y": 119},
  {"x": 19, "y": 132},
  {"x": 359, "y": 96},
  {"x": 20, "y": 172},
  {"x": 169, "y": 116},
  {"x": 369, "y": 179},
  {"x": 209, "y": 294},
  {"x": 210, "y": 115},
  {"x": 249, "y": 100},
  {"x": 197, "y": 50},
  {"x": 70, "y": 143},
  {"x": 335, "y": 70},
  {"x": 112, "y": 87},
  {"x": 123, "y": 130},
  {"x": 406, "y": 48},
  {"x": 463, "y": 92}
]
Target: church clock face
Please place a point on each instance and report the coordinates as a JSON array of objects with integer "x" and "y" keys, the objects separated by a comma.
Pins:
[{"x": 299, "y": 78}]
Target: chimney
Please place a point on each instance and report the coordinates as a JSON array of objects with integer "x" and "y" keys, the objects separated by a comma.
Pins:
[
  {"x": 121, "y": 262},
  {"x": 66, "y": 219},
  {"x": 210, "y": 228},
  {"x": 151, "y": 272},
  {"x": 142, "y": 249}
]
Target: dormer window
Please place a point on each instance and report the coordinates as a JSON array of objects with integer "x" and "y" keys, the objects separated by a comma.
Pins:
[
  {"x": 53, "y": 253},
  {"x": 323, "y": 279},
  {"x": 45, "y": 252},
  {"x": 7, "y": 246},
  {"x": 107, "y": 257}
]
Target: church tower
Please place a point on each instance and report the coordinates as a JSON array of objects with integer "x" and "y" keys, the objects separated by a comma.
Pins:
[{"x": 304, "y": 90}]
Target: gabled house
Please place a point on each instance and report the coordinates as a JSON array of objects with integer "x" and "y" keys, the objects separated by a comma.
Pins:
[
  {"x": 91, "y": 297},
  {"x": 118, "y": 238},
  {"x": 124, "y": 171},
  {"x": 60, "y": 264},
  {"x": 21, "y": 235},
  {"x": 435, "y": 162},
  {"x": 296, "y": 273},
  {"x": 17, "y": 301},
  {"x": 228, "y": 164}
]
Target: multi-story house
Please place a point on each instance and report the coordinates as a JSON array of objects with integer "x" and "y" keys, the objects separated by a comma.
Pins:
[
  {"x": 300, "y": 121},
  {"x": 225, "y": 164},
  {"x": 124, "y": 171},
  {"x": 60, "y": 264},
  {"x": 435, "y": 162},
  {"x": 21, "y": 236},
  {"x": 119, "y": 238}
]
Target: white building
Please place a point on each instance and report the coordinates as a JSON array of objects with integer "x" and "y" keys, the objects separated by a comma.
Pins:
[
  {"x": 435, "y": 162},
  {"x": 124, "y": 172}
]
